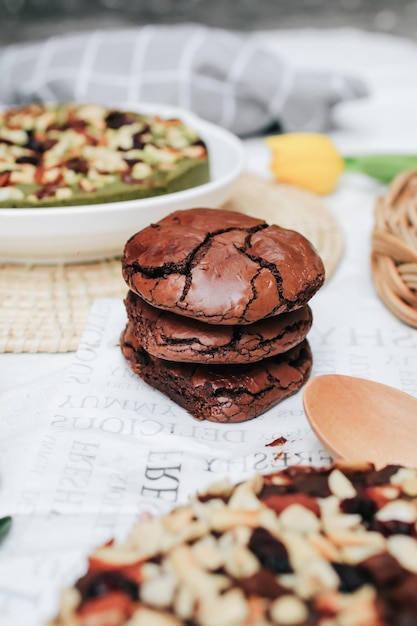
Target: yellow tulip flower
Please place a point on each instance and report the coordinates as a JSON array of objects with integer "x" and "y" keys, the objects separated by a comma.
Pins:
[
  {"x": 307, "y": 160},
  {"x": 311, "y": 161}
]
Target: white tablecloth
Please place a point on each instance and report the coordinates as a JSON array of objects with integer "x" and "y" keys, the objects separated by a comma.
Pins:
[{"x": 384, "y": 122}]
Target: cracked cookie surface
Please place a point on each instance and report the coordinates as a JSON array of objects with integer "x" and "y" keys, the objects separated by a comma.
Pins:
[
  {"x": 221, "y": 267},
  {"x": 222, "y": 393},
  {"x": 177, "y": 338}
]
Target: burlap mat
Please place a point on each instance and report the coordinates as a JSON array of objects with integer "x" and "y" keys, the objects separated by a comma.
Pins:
[
  {"x": 43, "y": 308},
  {"x": 394, "y": 247}
]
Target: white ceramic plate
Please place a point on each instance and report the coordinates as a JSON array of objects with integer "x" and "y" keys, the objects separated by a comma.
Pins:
[{"x": 98, "y": 231}]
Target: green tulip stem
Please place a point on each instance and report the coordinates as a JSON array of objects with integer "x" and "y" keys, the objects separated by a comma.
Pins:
[
  {"x": 382, "y": 167},
  {"x": 5, "y": 523}
]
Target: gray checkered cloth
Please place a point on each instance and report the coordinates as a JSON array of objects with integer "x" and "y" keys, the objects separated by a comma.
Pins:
[{"x": 225, "y": 77}]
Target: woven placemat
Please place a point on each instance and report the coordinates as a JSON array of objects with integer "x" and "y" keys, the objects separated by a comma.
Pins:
[
  {"x": 43, "y": 308},
  {"x": 394, "y": 247}
]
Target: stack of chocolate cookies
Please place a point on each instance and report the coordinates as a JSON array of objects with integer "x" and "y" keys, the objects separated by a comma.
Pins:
[{"x": 218, "y": 311}]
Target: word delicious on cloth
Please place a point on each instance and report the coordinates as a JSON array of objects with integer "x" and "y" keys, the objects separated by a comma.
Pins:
[{"x": 227, "y": 78}]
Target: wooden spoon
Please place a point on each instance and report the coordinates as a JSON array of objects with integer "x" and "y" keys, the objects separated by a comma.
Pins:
[{"x": 361, "y": 420}]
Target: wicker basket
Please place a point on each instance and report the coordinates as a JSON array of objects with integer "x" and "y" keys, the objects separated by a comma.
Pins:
[{"x": 394, "y": 247}]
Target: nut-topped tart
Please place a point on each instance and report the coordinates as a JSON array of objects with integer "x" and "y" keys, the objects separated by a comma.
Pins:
[
  {"x": 302, "y": 547},
  {"x": 76, "y": 154}
]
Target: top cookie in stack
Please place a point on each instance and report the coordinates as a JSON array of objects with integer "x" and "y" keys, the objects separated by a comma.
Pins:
[{"x": 218, "y": 311}]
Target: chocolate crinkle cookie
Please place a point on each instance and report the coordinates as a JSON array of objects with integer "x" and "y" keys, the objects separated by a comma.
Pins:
[
  {"x": 218, "y": 311},
  {"x": 306, "y": 546},
  {"x": 221, "y": 267},
  {"x": 178, "y": 338},
  {"x": 222, "y": 393}
]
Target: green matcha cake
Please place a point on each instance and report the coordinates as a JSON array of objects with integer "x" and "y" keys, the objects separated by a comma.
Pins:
[{"x": 73, "y": 154}]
